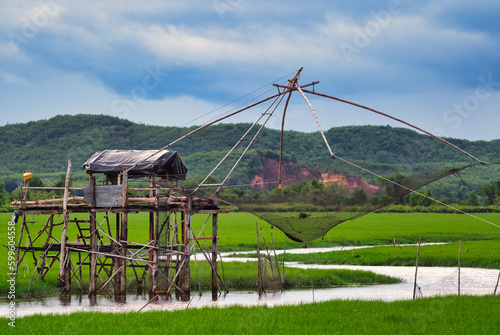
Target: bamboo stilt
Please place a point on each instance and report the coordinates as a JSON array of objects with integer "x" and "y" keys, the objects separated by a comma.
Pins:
[
  {"x": 93, "y": 241},
  {"x": 214, "y": 256},
  {"x": 185, "y": 269},
  {"x": 259, "y": 263},
  {"x": 459, "y": 251},
  {"x": 64, "y": 261},
  {"x": 496, "y": 286},
  {"x": 416, "y": 269}
]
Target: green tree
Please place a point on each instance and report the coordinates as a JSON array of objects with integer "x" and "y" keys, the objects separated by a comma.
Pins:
[
  {"x": 491, "y": 192},
  {"x": 473, "y": 199},
  {"x": 359, "y": 196},
  {"x": 425, "y": 200},
  {"x": 488, "y": 193},
  {"x": 3, "y": 194},
  {"x": 35, "y": 181}
]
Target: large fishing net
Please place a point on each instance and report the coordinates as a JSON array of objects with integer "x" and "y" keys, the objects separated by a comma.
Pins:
[
  {"x": 315, "y": 196},
  {"x": 305, "y": 191}
]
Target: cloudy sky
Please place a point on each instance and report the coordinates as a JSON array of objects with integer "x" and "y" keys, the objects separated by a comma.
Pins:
[{"x": 435, "y": 64}]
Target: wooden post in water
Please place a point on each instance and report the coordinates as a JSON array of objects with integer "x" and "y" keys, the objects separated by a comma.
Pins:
[
  {"x": 117, "y": 260},
  {"x": 153, "y": 240},
  {"x": 416, "y": 269},
  {"x": 259, "y": 265},
  {"x": 64, "y": 261},
  {"x": 123, "y": 237},
  {"x": 215, "y": 231},
  {"x": 67, "y": 273},
  {"x": 93, "y": 242},
  {"x": 152, "y": 259},
  {"x": 276, "y": 263},
  {"x": 185, "y": 270},
  {"x": 459, "y": 251},
  {"x": 496, "y": 286},
  {"x": 283, "y": 278}
]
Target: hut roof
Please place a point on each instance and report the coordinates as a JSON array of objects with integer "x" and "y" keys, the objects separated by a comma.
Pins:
[{"x": 141, "y": 162}]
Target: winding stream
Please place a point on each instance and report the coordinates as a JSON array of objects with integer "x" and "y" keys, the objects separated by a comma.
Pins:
[{"x": 431, "y": 281}]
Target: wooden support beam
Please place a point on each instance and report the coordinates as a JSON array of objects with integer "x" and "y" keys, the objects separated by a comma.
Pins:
[
  {"x": 185, "y": 269},
  {"x": 215, "y": 230},
  {"x": 67, "y": 272},
  {"x": 64, "y": 257},
  {"x": 93, "y": 242},
  {"x": 152, "y": 283},
  {"x": 116, "y": 261},
  {"x": 122, "y": 290},
  {"x": 259, "y": 266}
]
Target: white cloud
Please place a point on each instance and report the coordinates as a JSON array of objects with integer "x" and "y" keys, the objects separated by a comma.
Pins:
[{"x": 86, "y": 51}]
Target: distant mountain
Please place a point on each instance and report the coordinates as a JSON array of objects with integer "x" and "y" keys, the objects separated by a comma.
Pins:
[{"x": 45, "y": 146}]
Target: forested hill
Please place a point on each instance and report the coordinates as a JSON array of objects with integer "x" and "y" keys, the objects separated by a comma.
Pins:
[{"x": 45, "y": 146}]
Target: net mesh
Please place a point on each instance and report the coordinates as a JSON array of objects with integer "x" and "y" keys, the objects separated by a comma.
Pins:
[{"x": 316, "y": 195}]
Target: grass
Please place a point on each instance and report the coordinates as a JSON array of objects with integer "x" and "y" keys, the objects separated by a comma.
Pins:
[
  {"x": 243, "y": 275},
  {"x": 439, "y": 315},
  {"x": 479, "y": 254},
  {"x": 457, "y": 315},
  {"x": 237, "y": 232}
]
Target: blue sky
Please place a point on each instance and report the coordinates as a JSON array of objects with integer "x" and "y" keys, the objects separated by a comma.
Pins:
[{"x": 431, "y": 63}]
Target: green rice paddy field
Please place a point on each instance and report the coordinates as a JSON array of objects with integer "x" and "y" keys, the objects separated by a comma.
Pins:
[
  {"x": 237, "y": 231},
  {"x": 441, "y": 315}
]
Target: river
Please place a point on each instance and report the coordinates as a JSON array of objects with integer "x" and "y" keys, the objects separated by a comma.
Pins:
[{"x": 431, "y": 281}]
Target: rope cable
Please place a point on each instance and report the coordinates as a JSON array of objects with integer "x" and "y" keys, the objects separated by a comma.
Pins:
[
  {"x": 244, "y": 96},
  {"x": 416, "y": 192}
]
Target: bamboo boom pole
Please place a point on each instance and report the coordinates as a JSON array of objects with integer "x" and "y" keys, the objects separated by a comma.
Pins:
[
  {"x": 231, "y": 151},
  {"x": 395, "y": 119},
  {"x": 223, "y": 118},
  {"x": 315, "y": 118},
  {"x": 211, "y": 123},
  {"x": 281, "y": 140},
  {"x": 248, "y": 146}
]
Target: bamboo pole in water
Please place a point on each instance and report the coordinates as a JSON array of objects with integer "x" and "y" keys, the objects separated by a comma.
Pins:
[
  {"x": 416, "y": 269},
  {"x": 459, "y": 251},
  {"x": 215, "y": 230},
  {"x": 259, "y": 273},
  {"x": 64, "y": 252},
  {"x": 496, "y": 286}
]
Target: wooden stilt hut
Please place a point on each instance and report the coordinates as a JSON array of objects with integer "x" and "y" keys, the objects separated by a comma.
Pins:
[{"x": 121, "y": 183}]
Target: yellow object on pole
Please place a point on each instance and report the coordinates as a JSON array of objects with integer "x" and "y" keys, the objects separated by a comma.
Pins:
[{"x": 27, "y": 175}]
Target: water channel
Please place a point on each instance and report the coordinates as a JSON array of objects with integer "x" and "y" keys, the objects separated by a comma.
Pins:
[{"x": 431, "y": 281}]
